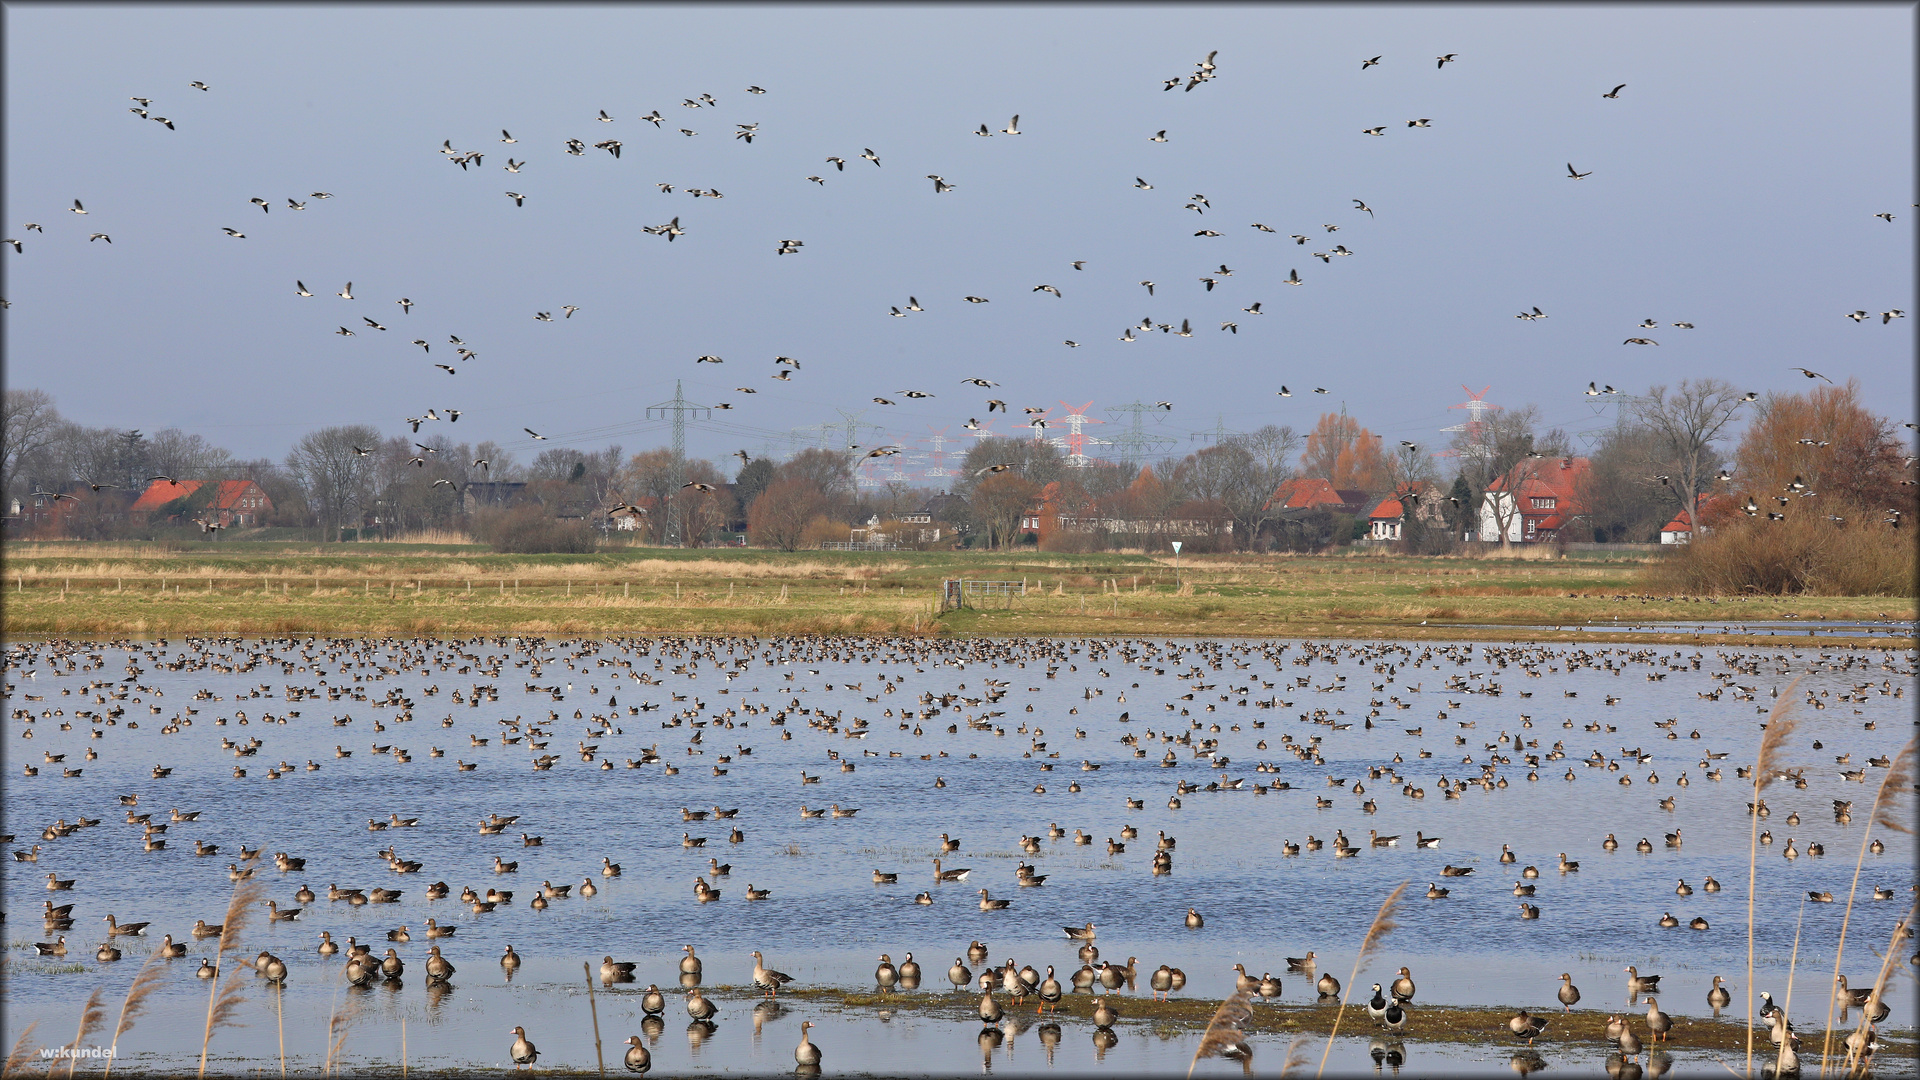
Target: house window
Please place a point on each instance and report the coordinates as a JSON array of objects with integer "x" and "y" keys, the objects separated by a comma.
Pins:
[
  {"x": 1531, "y": 526},
  {"x": 1543, "y": 502}
]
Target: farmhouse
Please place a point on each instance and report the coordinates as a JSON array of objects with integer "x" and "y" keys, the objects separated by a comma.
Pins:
[{"x": 225, "y": 503}]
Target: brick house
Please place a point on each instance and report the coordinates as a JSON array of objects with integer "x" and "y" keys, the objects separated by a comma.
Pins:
[
  {"x": 1546, "y": 503},
  {"x": 1315, "y": 493},
  {"x": 232, "y": 503}
]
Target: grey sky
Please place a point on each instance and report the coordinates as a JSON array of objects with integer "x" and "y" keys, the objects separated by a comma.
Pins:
[{"x": 1734, "y": 183}]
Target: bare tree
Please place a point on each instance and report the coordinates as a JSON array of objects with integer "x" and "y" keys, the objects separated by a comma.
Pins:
[
  {"x": 1688, "y": 421},
  {"x": 29, "y": 424},
  {"x": 1497, "y": 458},
  {"x": 1000, "y": 501},
  {"x": 338, "y": 482},
  {"x": 173, "y": 452}
]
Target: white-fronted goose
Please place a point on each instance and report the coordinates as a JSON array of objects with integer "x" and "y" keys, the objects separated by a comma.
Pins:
[
  {"x": 1194, "y": 921},
  {"x": 52, "y": 948},
  {"x": 959, "y": 975},
  {"x": 766, "y": 978},
  {"x": 1526, "y": 1026},
  {"x": 1328, "y": 986},
  {"x": 886, "y": 974},
  {"x": 1719, "y": 997},
  {"x": 1302, "y": 964},
  {"x": 940, "y": 874},
  {"x": 1075, "y": 933},
  {"x": 989, "y": 904},
  {"x": 990, "y": 1010},
  {"x": 439, "y": 969},
  {"x": 698, "y": 1006},
  {"x": 1569, "y": 994},
  {"x": 690, "y": 965},
  {"x": 522, "y": 1052},
  {"x": 1641, "y": 984},
  {"x": 653, "y": 1002},
  {"x": 807, "y": 1055},
  {"x": 1402, "y": 988}
]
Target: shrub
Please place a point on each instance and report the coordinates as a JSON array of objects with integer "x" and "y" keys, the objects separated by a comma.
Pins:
[
  {"x": 1806, "y": 553},
  {"x": 530, "y": 530}
]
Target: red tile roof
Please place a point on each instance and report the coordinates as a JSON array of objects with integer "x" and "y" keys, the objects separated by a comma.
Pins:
[{"x": 161, "y": 492}]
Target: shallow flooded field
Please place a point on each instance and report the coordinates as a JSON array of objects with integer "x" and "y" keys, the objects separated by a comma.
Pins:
[{"x": 622, "y": 752}]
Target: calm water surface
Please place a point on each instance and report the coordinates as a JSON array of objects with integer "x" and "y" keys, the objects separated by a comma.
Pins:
[{"x": 997, "y": 715}]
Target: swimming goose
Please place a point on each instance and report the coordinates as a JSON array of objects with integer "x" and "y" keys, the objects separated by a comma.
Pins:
[
  {"x": 106, "y": 953},
  {"x": 1194, "y": 921},
  {"x": 1302, "y": 964},
  {"x": 52, "y": 948},
  {"x": 762, "y": 894},
  {"x": 1699, "y": 922},
  {"x": 118, "y": 929},
  {"x": 949, "y": 875},
  {"x": 806, "y": 1054},
  {"x": 510, "y": 959},
  {"x": 1719, "y": 996},
  {"x": 612, "y": 971},
  {"x": 1076, "y": 933},
  {"x": 884, "y": 879},
  {"x": 1643, "y": 984},
  {"x": 989, "y": 904},
  {"x": 1328, "y": 986}
]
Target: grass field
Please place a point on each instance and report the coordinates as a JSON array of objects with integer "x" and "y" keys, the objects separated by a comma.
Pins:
[{"x": 108, "y": 589}]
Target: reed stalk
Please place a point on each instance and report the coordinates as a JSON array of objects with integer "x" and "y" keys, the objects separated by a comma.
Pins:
[
  {"x": 1786, "y": 1010},
  {"x": 280, "y": 1023},
  {"x": 1855, "y": 1065},
  {"x": 1892, "y": 786},
  {"x": 224, "y": 1001},
  {"x": 595, "y": 1010},
  {"x": 19, "y": 1056},
  {"x": 132, "y": 1006},
  {"x": 91, "y": 1016},
  {"x": 1223, "y": 1034},
  {"x": 1780, "y": 726},
  {"x": 1383, "y": 924}
]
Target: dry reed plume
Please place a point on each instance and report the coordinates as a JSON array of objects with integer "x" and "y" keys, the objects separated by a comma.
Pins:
[
  {"x": 224, "y": 1001},
  {"x": 1296, "y": 1056},
  {"x": 1780, "y": 725},
  {"x": 1884, "y": 815},
  {"x": 1224, "y": 1037},
  {"x": 1856, "y": 1065},
  {"x": 91, "y": 1017},
  {"x": 20, "y": 1055},
  {"x": 144, "y": 984},
  {"x": 1383, "y": 924}
]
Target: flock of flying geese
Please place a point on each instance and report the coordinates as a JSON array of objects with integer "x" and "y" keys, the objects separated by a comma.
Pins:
[{"x": 1204, "y": 72}]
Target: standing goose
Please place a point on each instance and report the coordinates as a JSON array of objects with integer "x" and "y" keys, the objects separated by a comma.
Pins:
[
  {"x": 1049, "y": 992},
  {"x": 612, "y": 972},
  {"x": 699, "y": 1007},
  {"x": 990, "y": 1010},
  {"x": 1526, "y": 1026},
  {"x": 1658, "y": 1023},
  {"x": 958, "y": 974},
  {"x": 1244, "y": 983},
  {"x": 689, "y": 964},
  {"x": 910, "y": 972},
  {"x": 806, "y": 1054},
  {"x": 1402, "y": 988},
  {"x": 1103, "y": 1013},
  {"x": 766, "y": 978},
  {"x": 1569, "y": 993},
  {"x": 886, "y": 974},
  {"x": 1328, "y": 986},
  {"x": 439, "y": 969},
  {"x": 1161, "y": 981},
  {"x": 1719, "y": 997},
  {"x": 1269, "y": 986},
  {"x": 653, "y": 1002},
  {"x": 522, "y": 1051}
]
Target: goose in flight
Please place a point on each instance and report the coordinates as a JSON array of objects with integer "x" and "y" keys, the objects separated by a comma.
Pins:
[
  {"x": 446, "y": 368},
  {"x": 1293, "y": 277},
  {"x": 788, "y": 360},
  {"x": 838, "y": 163},
  {"x": 883, "y": 401},
  {"x": 235, "y": 233},
  {"x": 1048, "y": 288},
  {"x": 1639, "y": 341},
  {"x": 518, "y": 199},
  {"x": 422, "y": 342},
  {"x": 259, "y": 202},
  {"x": 995, "y": 403},
  {"x": 1422, "y": 123},
  {"x": 99, "y": 236},
  {"x": 697, "y": 486},
  {"x": 980, "y": 382},
  {"x": 1888, "y": 316},
  {"x": 999, "y": 468},
  {"x": 708, "y": 360},
  {"x": 1321, "y": 390},
  {"x": 1149, "y": 286},
  {"x": 533, "y": 433},
  {"x": 1013, "y": 125},
  {"x": 1365, "y": 64},
  {"x": 939, "y": 185},
  {"x": 542, "y": 316},
  {"x": 1357, "y": 205},
  {"x": 1444, "y": 60},
  {"x": 1298, "y": 239},
  {"x": 1284, "y": 392},
  {"x": 1536, "y": 313},
  {"x": 783, "y": 376},
  {"x": 1812, "y": 374},
  {"x": 1159, "y": 136},
  {"x": 1071, "y": 344},
  {"x": 77, "y": 208},
  {"x": 975, "y": 299},
  {"x": 198, "y": 85},
  {"x": 371, "y": 323},
  {"x": 1684, "y": 325},
  {"x": 346, "y": 293},
  {"x": 869, "y": 155},
  {"x": 1615, "y": 92},
  {"x": 883, "y": 451},
  {"x": 1142, "y": 184},
  {"x": 291, "y": 205},
  {"x": 1166, "y": 405},
  {"x": 1381, "y": 130},
  {"x": 983, "y": 131},
  {"x": 1263, "y": 228},
  {"x": 1232, "y": 327},
  {"x": 1648, "y": 324},
  {"x": 1254, "y": 309},
  {"x": 1576, "y": 175},
  {"x": 344, "y": 332}
]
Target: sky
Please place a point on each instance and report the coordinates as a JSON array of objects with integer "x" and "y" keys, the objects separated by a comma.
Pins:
[{"x": 1732, "y": 184}]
